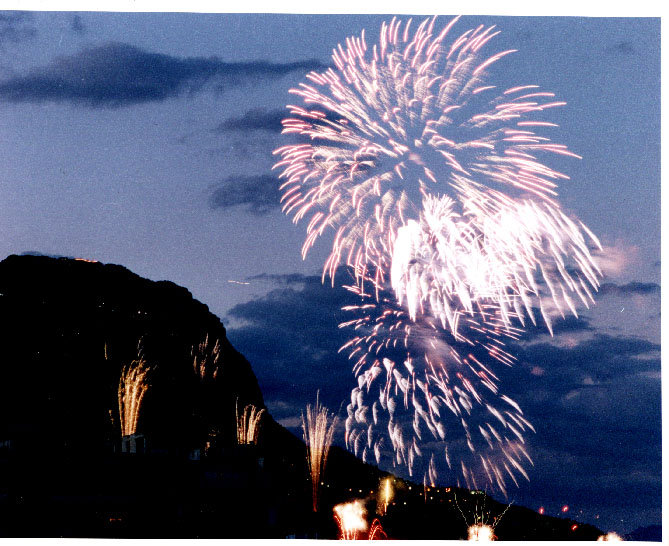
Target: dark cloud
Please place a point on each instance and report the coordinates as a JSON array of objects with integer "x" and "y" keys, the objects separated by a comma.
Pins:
[
  {"x": 260, "y": 194},
  {"x": 289, "y": 279},
  {"x": 118, "y": 74},
  {"x": 257, "y": 119},
  {"x": 16, "y": 26},
  {"x": 621, "y": 48},
  {"x": 77, "y": 24},
  {"x": 630, "y": 288},
  {"x": 291, "y": 337}
]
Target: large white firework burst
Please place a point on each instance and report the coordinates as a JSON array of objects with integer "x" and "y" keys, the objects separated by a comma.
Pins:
[{"x": 429, "y": 179}]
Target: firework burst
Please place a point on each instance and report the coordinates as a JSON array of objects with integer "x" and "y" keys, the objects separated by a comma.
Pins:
[
  {"x": 318, "y": 428},
  {"x": 432, "y": 184}
]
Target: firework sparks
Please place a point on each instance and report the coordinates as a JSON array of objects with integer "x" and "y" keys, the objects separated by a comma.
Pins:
[
  {"x": 205, "y": 359},
  {"x": 431, "y": 182},
  {"x": 131, "y": 390},
  {"x": 318, "y": 428},
  {"x": 351, "y": 519},
  {"x": 248, "y": 424}
]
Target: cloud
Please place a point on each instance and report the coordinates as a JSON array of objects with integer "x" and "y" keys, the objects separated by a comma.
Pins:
[
  {"x": 621, "y": 48},
  {"x": 292, "y": 339},
  {"x": 257, "y": 119},
  {"x": 16, "y": 26},
  {"x": 631, "y": 288},
  {"x": 288, "y": 279},
  {"x": 118, "y": 74},
  {"x": 259, "y": 193},
  {"x": 77, "y": 24},
  {"x": 616, "y": 259}
]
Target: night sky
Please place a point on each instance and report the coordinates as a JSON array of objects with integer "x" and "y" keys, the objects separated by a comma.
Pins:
[{"x": 172, "y": 179}]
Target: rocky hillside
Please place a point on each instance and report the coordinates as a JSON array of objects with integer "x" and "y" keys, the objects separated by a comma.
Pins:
[{"x": 70, "y": 329}]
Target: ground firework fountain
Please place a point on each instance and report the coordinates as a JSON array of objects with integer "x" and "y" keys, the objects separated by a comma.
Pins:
[
  {"x": 205, "y": 359},
  {"x": 431, "y": 180},
  {"x": 318, "y": 428},
  {"x": 248, "y": 424},
  {"x": 351, "y": 520},
  {"x": 132, "y": 387}
]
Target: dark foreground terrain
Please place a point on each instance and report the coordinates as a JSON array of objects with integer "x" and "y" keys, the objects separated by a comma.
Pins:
[{"x": 67, "y": 470}]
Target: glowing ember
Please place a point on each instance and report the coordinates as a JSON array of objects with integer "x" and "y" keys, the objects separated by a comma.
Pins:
[
  {"x": 351, "y": 519},
  {"x": 318, "y": 429}
]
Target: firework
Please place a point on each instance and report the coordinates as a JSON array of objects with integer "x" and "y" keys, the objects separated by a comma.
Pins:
[
  {"x": 410, "y": 117},
  {"x": 248, "y": 424},
  {"x": 431, "y": 396},
  {"x": 318, "y": 428},
  {"x": 351, "y": 519},
  {"x": 131, "y": 390},
  {"x": 376, "y": 531},
  {"x": 481, "y": 532},
  {"x": 205, "y": 359},
  {"x": 481, "y": 529},
  {"x": 386, "y": 493},
  {"x": 430, "y": 181}
]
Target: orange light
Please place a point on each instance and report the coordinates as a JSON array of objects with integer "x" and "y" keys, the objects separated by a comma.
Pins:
[
  {"x": 565, "y": 508},
  {"x": 541, "y": 510},
  {"x": 574, "y": 527}
]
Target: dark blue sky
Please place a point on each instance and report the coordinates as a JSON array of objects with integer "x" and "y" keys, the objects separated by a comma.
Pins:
[{"x": 146, "y": 140}]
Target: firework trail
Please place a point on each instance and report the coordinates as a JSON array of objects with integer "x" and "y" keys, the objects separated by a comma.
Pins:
[
  {"x": 205, "y": 359},
  {"x": 429, "y": 180},
  {"x": 131, "y": 390},
  {"x": 318, "y": 428},
  {"x": 248, "y": 424}
]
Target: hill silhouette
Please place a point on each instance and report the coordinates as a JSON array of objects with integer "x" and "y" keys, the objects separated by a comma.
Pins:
[{"x": 67, "y": 469}]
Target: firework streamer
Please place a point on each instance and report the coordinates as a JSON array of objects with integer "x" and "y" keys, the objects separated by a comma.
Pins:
[
  {"x": 132, "y": 387},
  {"x": 248, "y": 424},
  {"x": 318, "y": 428},
  {"x": 205, "y": 359},
  {"x": 431, "y": 181}
]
